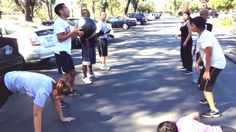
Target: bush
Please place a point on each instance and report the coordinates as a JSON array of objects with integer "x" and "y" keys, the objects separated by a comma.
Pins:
[{"x": 226, "y": 22}]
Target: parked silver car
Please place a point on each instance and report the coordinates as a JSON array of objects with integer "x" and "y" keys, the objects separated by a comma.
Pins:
[{"x": 35, "y": 42}]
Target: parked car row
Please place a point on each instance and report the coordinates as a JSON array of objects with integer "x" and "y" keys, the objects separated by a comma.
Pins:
[
  {"x": 24, "y": 42},
  {"x": 141, "y": 19}
]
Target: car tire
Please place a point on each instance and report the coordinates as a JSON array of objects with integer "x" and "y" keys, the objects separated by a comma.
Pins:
[{"x": 125, "y": 26}]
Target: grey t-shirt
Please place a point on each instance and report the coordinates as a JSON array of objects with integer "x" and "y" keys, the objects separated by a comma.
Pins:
[{"x": 36, "y": 85}]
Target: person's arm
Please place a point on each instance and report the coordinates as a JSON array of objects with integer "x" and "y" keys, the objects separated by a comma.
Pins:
[
  {"x": 62, "y": 36},
  {"x": 57, "y": 105},
  {"x": 37, "y": 113},
  {"x": 194, "y": 116},
  {"x": 189, "y": 34},
  {"x": 208, "y": 52}
]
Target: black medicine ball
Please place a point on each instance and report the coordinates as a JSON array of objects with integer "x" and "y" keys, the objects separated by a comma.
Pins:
[{"x": 88, "y": 27}]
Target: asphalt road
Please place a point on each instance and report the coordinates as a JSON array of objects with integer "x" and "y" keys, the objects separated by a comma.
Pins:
[{"x": 143, "y": 88}]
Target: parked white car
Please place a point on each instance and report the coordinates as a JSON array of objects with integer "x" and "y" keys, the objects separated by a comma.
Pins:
[{"x": 35, "y": 42}]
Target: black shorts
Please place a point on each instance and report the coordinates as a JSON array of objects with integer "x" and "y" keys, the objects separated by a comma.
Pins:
[
  {"x": 4, "y": 91},
  {"x": 64, "y": 62},
  {"x": 208, "y": 85},
  {"x": 102, "y": 47},
  {"x": 88, "y": 55}
]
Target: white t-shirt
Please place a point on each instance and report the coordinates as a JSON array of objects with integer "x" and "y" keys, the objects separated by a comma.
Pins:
[
  {"x": 36, "y": 85},
  {"x": 197, "y": 41},
  {"x": 60, "y": 26},
  {"x": 207, "y": 39},
  {"x": 102, "y": 25}
]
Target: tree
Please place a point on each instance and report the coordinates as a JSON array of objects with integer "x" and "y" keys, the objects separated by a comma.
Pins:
[
  {"x": 222, "y": 4},
  {"x": 115, "y": 7},
  {"x": 48, "y": 4},
  {"x": 135, "y": 4},
  {"x": 27, "y": 8},
  {"x": 146, "y": 7},
  {"x": 127, "y": 6}
]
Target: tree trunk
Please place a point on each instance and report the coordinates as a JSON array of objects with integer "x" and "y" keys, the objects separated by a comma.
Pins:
[
  {"x": 49, "y": 8},
  {"x": 136, "y": 5},
  {"x": 127, "y": 7},
  {"x": 28, "y": 11}
]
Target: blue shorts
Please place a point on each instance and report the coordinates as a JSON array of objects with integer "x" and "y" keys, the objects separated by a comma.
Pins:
[
  {"x": 88, "y": 55},
  {"x": 102, "y": 47},
  {"x": 64, "y": 62}
]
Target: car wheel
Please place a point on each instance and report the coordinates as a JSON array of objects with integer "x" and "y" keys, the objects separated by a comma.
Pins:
[{"x": 125, "y": 26}]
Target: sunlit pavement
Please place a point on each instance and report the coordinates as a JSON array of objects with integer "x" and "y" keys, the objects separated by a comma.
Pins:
[{"x": 143, "y": 88}]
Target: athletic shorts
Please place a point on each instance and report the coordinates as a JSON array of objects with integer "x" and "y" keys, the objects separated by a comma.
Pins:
[
  {"x": 208, "y": 85},
  {"x": 4, "y": 91},
  {"x": 88, "y": 55},
  {"x": 64, "y": 62},
  {"x": 102, "y": 47}
]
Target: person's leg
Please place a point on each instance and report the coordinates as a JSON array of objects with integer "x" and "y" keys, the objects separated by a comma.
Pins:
[
  {"x": 84, "y": 68},
  {"x": 189, "y": 57},
  {"x": 182, "y": 52},
  {"x": 213, "y": 112},
  {"x": 210, "y": 99}
]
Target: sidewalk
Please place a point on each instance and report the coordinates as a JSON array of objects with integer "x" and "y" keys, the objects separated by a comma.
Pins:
[{"x": 227, "y": 41}]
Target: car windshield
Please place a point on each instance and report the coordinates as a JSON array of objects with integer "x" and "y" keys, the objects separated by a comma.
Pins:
[{"x": 11, "y": 27}]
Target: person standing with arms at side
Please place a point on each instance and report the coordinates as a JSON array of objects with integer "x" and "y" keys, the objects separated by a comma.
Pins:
[
  {"x": 63, "y": 56},
  {"x": 186, "y": 44},
  {"x": 214, "y": 62},
  {"x": 103, "y": 32},
  {"x": 88, "y": 53}
]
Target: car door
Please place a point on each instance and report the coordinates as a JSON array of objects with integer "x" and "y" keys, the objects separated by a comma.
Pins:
[{"x": 10, "y": 59}]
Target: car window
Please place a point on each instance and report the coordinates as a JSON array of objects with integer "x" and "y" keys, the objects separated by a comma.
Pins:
[{"x": 44, "y": 32}]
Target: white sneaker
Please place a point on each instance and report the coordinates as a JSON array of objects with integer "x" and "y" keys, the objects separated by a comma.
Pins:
[
  {"x": 107, "y": 67},
  {"x": 86, "y": 80},
  {"x": 91, "y": 76},
  {"x": 195, "y": 81},
  {"x": 103, "y": 67}
]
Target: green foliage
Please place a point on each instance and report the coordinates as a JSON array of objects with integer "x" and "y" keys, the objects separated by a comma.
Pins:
[
  {"x": 226, "y": 22},
  {"x": 146, "y": 7},
  {"x": 222, "y": 4},
  {"x": 195, "y": 6}
]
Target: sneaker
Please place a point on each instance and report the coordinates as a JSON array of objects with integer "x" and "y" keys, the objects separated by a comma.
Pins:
[
  {"x": 211, "y": 114},
  {"x": 74, "y": 93},
  {"x": 87, "y": 80},
  {"x": 182, "y": 69},
  {"x": 188, "y": 72},
  {"x": 104, "y": 67},
  {"x": 195, "y": 81},
  {"x": 91, "y": 76},
  {"x": 107, "y": 67},
  {"x": 64, "y": 104},
  {"x": 204, "y": 102}
]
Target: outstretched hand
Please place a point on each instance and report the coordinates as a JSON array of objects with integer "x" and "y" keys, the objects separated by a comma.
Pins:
[{"x": 67, "y": 119}]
